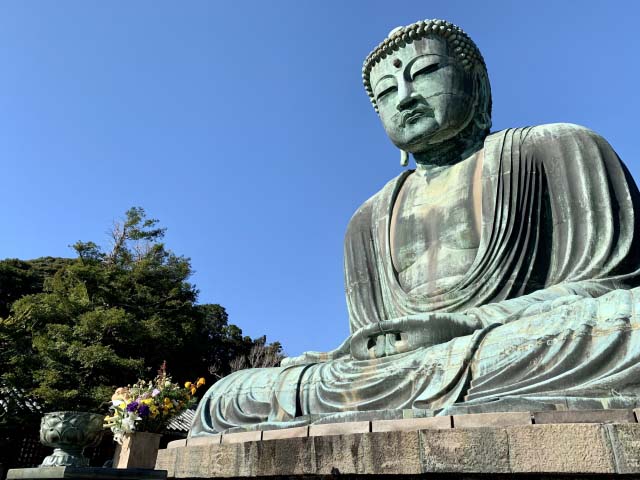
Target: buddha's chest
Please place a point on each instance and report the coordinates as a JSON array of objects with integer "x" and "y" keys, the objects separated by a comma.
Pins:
[{"x": 435, "y": 226}]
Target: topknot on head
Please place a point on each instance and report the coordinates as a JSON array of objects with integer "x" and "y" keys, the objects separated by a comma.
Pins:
[{"x": 463, "y": 47}]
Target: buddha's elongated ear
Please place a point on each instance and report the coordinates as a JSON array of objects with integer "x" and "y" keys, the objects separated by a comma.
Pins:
[
  {"x": 482, "y": 88},
  {"x": 404, "y": 158}
]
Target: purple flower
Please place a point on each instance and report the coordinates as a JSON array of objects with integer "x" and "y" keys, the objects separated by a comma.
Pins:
[
  {"x": 144, "y": 411},
  {"x": 132, "y": 407},
  {"x": 155, "y": 392}
]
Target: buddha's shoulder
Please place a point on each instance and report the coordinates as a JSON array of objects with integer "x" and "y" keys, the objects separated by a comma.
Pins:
[
  {"x": 381, "y": 197},
  {"x": 549, "y": 134}
]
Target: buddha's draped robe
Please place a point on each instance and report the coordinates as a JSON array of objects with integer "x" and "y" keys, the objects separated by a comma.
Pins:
[{"x": 552, "y": 284}]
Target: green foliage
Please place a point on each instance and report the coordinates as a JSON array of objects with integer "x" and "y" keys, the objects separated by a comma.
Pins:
[
  {"x": 75, "y": 329},
  {"x": 20, "y": 277}
]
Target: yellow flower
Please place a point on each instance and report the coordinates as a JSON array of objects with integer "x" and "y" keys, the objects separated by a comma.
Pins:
[
  {"x": 200, "y": 382},
  {"x": 148, "y": 401},
  {"x": 187, "y": 385},
  {"x": 193, "y": 390},
  {"x": 168, "y": 405}
]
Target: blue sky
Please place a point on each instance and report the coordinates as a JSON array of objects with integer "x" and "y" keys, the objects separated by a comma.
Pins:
[{"x": 243, "y": 126}]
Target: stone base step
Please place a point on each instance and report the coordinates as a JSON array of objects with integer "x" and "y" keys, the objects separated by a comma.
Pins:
[{"x": 571, "y": 446}]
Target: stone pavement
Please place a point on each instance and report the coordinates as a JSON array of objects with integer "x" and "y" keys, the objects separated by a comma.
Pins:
[{"x": 85, "y": 473}]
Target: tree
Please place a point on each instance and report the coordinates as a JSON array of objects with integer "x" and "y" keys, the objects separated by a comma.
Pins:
[
  {"x": 260, "y": 355},
  {"x": 109, "y": 317},
  {"x": 19, "y": 278}
]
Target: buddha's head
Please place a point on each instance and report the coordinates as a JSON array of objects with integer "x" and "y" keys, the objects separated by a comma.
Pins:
[{"x": 429, "y": 84}]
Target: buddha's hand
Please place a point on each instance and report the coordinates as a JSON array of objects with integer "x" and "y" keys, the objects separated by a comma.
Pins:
[{"x": 405, "y": 334}]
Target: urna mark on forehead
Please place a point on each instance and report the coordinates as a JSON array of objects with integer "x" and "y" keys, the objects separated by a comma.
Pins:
[{"x": 432, "y": 45}]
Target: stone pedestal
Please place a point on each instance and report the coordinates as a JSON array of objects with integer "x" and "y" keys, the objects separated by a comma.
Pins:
[
  {"x": 485, "y": 445},
  {"x": 138, "y": 450},
  {"x": 85, "y": 473}
]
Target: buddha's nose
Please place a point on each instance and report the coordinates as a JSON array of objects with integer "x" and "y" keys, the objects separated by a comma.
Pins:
[{"x": 407, "y": 98}]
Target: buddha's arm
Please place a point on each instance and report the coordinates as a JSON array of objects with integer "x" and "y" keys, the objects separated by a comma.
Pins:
[
  {"x": 399, "y": 335},
  {"x": 408, "y": 333},
  {"x": 405, "y": 334},
  {"x": 538, "y": 302},
  {"x": 318, "y": 357},
  {"x": 590, "y": 222}
]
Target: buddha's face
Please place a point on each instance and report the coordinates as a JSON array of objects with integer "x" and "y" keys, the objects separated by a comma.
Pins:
[{"x": 424, "y": 95}]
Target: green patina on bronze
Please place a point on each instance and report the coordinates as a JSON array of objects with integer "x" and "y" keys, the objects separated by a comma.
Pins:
[{"x": 500, "y": 274}]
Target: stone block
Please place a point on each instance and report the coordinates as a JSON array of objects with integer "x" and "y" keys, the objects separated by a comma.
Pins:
[
  {"x": 166, "y": 460},
  {"x": 385, "y": 453},
  {"x": 465, "y": 450},
  {"x": 411, "y": 424},
  {"x": 177, "y": 443},
  {"x": 560, "y": 448},
  {"x": 625, "y": 440},
  {"x": 501, "y": 419},
  {"x": 584, "y": 416},
  {"x": 346, "y": 428},
  {"x": 278, "y": 434},
  {"x": 208, "y": 440},
  {"x": 248, "y": 456},
  {"x": 208, "y": 461},
  {"x": 338, "y": 454},
  {"x": 241, "y": 437},
  {"x": 284, "y": 457},
  {"x": 391, "y": 453}
]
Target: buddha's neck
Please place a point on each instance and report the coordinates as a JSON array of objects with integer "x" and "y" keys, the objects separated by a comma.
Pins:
[{"x": 440, "y": 157}]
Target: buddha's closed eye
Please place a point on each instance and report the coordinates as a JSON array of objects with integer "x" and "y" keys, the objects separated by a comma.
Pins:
[{"x": 425, "y": 70}]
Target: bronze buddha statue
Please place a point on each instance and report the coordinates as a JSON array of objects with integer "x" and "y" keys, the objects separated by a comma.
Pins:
[{"x": 498, "y": 275}]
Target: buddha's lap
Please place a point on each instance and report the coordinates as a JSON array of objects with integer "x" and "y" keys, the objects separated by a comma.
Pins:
[
  {"x": 542, "y": 341},
  {"x": 596, "y": 318}
]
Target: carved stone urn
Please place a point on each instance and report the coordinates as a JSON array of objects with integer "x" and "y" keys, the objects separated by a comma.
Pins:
[{"x": 69, "y": 433}]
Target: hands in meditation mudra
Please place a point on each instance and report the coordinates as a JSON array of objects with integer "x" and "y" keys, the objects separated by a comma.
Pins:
[{"x": 498, "y": 275}]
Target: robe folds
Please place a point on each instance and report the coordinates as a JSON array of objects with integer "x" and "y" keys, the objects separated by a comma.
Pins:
[{"x": 553, "y": 286}]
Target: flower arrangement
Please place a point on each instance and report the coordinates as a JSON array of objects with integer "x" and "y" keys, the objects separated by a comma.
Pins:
[{"x": 148, "y": 406}]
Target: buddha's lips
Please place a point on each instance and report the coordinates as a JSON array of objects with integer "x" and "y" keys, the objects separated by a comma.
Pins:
[{"x": 411, "y": 116}]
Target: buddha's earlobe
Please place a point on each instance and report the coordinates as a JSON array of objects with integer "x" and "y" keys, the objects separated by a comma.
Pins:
[
  {"x": 404, "y": 158},
  {"x": 483, "y": 103}
]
